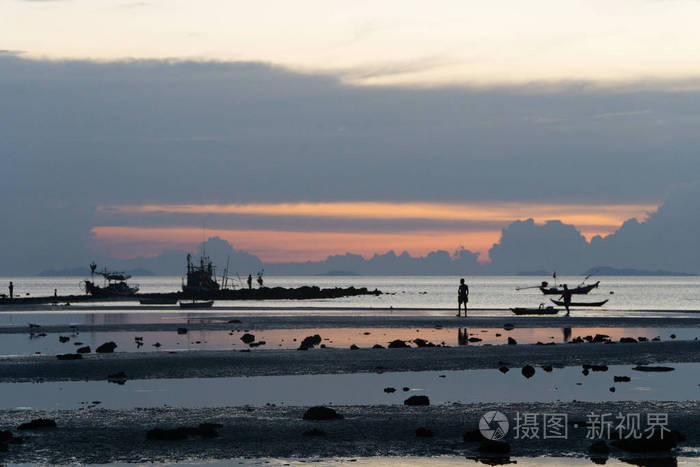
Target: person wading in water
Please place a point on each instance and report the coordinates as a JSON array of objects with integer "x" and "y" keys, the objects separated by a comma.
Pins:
[
  {"x": 462, "y": 297},
  {"x": 566, "y": 296}
]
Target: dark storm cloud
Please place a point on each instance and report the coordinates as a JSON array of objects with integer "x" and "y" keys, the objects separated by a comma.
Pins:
[{"x": 74, "y": 135}]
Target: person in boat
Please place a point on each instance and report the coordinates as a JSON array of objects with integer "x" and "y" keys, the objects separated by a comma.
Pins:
[
  {"x": 462, "y": 297},
  {"x": 566, "y": 296},
  {"x": 250, "y": 281}
]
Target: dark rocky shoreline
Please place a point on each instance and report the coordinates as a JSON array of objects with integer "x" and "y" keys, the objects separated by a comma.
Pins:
[
  {"x": 103, "y": 436},
  {"x": 263, "y": 293}
]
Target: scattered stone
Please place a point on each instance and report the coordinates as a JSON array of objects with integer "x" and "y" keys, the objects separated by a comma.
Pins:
[
  {"x": 508, "y": 327},
  {"x": 63, "y": 339},
  {"x": 377, "y": 346},
  {"x": 528, "y": 371},
  {"x": 599, "y": 368},
  {"x": 182, "y": 330},
  {"x": 314, "y": 432},
  {"x": 107, "y": 347},
  {"x": 6, "y": 437},
  {"x": 585, "y": 371},
  {"x": 156, "y": 345},
  {"x": 498, "y": 334},
  {"x": 576, "y": 340},
  {"x": 117, "y": 378},
  {"x": 389, "y": 390},
  {"x": 653, "y": 444},
  {"x": 672, "y": 336},
  {"x": 612, "y": 389},
  {"x": 423, "y": 343},
  {"x": 69, "y": 356},
  {"x": 321, "y": 413},
  {"x": 398, "y": 344},
  {"x": 621, "y": 379},
  {"x": 512, "y": 341},
  {"x": 656, "y": 339},
  {"x": 205, "y": 430},
  {"x": 406, "y": 389},
  {"x": 474, "y": 339},
  {"x": 247, "y": 338},
  {"x": 234, "y": 321},
  {"x": 309, "y": 342},
  {"x": 473, "y": 436},
  {"x": 598, "y": 338},
  {"x": 653, "y": 368},
  {"x": 85, "y": 349},
  {"x": 498, "y": 447},
  {"x": 354, "y": 347},
  {"x": 547, "y": 368},
  {"x": 423, "y": 433},
  {"x": 628, "y": 340},
  {"x": 417, "y": 400},
  {"x": 642, "y": 339},
  {"x": 503, "y": 369},
  {"x": 599, "y": 447},
  {"x": 38, "y": 424}
]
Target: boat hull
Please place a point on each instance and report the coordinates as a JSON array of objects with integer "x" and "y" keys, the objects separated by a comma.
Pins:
[
  {"x": 534, "y": 311},
  {"x": 157, "y": 301},
  {"x": 196, "y": 305},
  {"x": 582, "y": 290},
  {"x": 589, "y": 304}
]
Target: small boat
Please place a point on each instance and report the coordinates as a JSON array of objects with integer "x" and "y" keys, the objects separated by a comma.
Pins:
[
  {"x": 195, "y": 304},
  {"x": 591, "y": 304},
  {"x": 158, "y": 300},
  {"x": 556, "y": 290},
  {"x": 542, "y": 310}
]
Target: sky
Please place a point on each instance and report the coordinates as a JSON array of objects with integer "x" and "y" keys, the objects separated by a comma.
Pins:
[{"x": 299, "y": 130}]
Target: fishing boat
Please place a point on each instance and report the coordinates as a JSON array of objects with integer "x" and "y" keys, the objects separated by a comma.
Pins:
[
  {"x": 542, "y": 310},
  {"x": 201, "y": 279},
  {"x": 158, "y": 300},
  {"x": 558, "y": 290},
  {"x": 114, "y": 284},
  {"x": 195, "y": 304},
  {"x": 589, "y": 304}
]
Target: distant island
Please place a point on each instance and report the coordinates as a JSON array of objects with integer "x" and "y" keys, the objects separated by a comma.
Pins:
[
  {"x": 609, "y": 271},
  {"x": 83, "y": 271}
]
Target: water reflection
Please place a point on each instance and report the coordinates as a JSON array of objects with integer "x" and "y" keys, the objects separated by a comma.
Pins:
[
  {"x": 443, "y": 387},
  {"x": 37, "y": 341}
]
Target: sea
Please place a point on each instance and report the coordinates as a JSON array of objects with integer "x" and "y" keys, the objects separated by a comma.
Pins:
[{"x": 432, "y": 295}]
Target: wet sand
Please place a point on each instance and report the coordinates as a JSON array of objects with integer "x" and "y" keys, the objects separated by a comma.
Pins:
[
  {"x": 102, "y": 436},
  {"x": 211, "y": 364},
  {"x": 118, "y": 435}
]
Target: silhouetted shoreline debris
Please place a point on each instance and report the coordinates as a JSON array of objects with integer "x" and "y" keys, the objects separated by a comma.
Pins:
[
  {"x": 321, "y": 413},
  {"x": 263, "y": 293}
]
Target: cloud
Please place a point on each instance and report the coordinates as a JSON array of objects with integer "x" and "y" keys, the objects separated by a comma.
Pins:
[{"x": 75, "y": 135}]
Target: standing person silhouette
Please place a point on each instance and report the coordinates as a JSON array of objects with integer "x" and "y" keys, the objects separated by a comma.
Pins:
[
  {"x": 250, "y": 281},
  {"x": 462, "y": 297},
  {"x": 260, "y": 280},
  {"x": 566, "y": 296},
  {"x": 12, "y": 290}
]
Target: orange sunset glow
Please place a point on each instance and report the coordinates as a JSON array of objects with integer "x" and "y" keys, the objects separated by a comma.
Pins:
[
  {"x": 576, "y": 214},
  {"x": 282, "y": 245}
]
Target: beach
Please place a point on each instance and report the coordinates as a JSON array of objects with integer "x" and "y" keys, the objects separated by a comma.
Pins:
[{"x": 254, "y": 371}]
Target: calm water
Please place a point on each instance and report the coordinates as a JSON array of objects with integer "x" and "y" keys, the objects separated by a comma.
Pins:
[
  {"x": 30, "y": 343},
  {"x": 487, "y": 293},
  {"x": 442, "y": 387}
]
